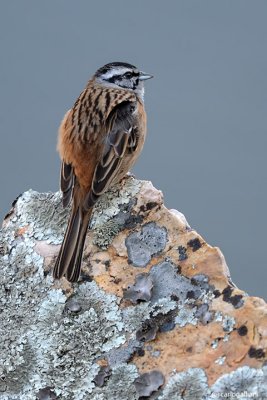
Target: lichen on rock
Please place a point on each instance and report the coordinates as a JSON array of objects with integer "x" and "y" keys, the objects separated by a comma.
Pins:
[
  {"x": 154, "y": 313},
  {"x": 189, "y": 385}
]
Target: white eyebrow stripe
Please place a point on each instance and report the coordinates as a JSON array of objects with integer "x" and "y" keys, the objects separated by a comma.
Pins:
[{"x": 115, "y": 71}]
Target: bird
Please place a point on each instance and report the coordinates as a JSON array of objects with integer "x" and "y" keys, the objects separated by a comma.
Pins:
[{"x": 99, "y": 140}]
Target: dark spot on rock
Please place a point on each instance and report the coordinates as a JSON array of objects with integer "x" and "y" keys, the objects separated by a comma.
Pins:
[
  {"x": 2, "y": 377},
  {"x": 148, "y": 331},
  {"x": 164, "y": 322},
  {"x": 132, "y": 221},
  {"x": 148, "y": 206},
  {"x": 227, "y": 292},
  {"x": 194, "y": 244},
  {"x": 102, "y": 376},
  {"x": 256, "y": 353},
  {"x": 72, "y": 306},
  {"x": 242, "y": 330},
  {"x": 193, "y": 294},
  {"x": 148, "y": 383},
  {"x": 117, "y": 280},
  {"x": 167, "y": 326},
  {"x": 190, "y": 294},
  {"x": 151, "y": 205},
  {"x": 141, "y": 290},
  {"x": 189, "y": 349},
  {"x": 46, "y": 394},
  {"x": 178, "y": 269},
  {"x": 182, "y": 253},
  {"x": 236, "y": 300},
  {"x": 131, "y": 356},
  {"x": 62, "y": 352},
  {"x": 216, "y": 293},
  {"x": 140, "y": 352},
  {"x": 174, "y": 297},
  {"x": 107, "y": 263},
  {"x": 7, "y": 290},
  {"x": 85, "y": 278}
]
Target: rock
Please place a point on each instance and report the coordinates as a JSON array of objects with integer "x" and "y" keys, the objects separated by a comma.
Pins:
[{"x": 154, "y": 314}]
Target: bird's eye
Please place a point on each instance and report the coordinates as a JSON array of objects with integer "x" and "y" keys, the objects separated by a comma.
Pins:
[{"x": 128, "y": 75}]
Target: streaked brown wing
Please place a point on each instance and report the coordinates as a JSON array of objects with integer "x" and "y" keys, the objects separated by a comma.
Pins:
[
  {"x": 120, "y": 139},
  {"x": 132, "y": 141},
  {"x": 67, "y": 180}
]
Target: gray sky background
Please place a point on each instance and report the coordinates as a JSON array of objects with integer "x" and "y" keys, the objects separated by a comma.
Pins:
[{"x": 207, "y": 142}]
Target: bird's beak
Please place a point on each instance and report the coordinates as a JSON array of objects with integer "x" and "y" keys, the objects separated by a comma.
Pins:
[{"x": 144, "y": 76}]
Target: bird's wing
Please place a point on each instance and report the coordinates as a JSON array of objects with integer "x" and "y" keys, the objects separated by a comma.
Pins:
[
  {"x": 67, "y": 180},
  {"x": 120, "y": 139}
]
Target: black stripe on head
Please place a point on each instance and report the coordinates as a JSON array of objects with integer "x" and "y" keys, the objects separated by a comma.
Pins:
[
  {"x": 112, "y": 65},
  {"x": 136, "y": 83},
  {"x": 115, "y": 78}
]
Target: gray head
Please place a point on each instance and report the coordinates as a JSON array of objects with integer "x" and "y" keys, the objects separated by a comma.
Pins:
[{"x": 123, "y": 75}]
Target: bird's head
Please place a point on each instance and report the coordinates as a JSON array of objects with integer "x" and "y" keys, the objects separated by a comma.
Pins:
[{"x": 122, "y": 75}]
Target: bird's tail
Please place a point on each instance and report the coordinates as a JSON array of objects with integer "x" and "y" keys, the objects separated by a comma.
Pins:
[{"x": 69, "y": 258}]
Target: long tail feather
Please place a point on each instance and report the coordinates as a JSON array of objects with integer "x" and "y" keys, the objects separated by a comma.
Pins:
[
  {"x": 74, "y": 267},
  {"x": 70, "y": 254}
]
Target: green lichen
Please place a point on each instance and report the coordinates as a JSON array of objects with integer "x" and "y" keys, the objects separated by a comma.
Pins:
[
  {"x": 106, "y": 220},
  {"x": 109, "y": 205},
  {"x": 104, "y": 234}
]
